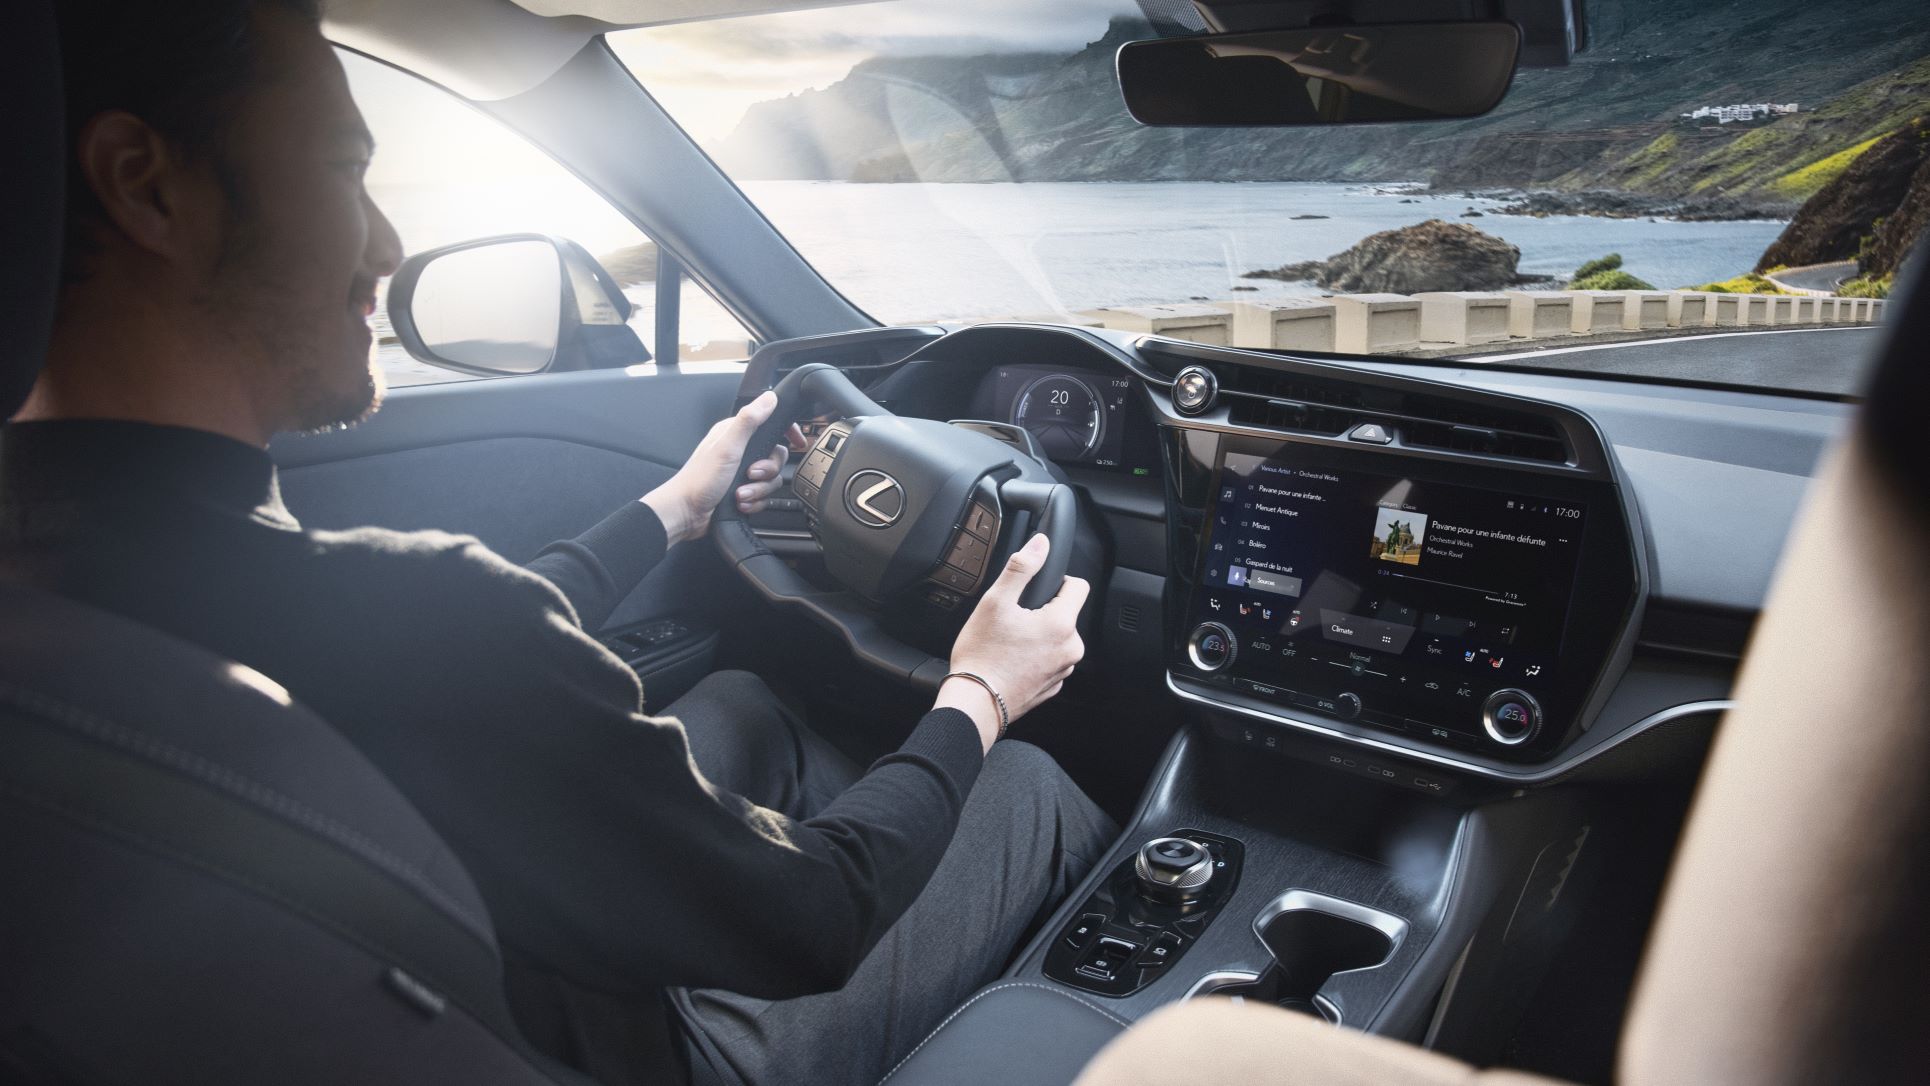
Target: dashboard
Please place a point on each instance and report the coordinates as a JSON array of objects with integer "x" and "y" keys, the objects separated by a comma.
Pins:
[{"x": 1413, "y": 572}]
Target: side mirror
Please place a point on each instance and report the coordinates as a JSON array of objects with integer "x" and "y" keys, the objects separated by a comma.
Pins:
[
  {"x": 1321, "y": 75},
  {"x": 513, "y": 304}
]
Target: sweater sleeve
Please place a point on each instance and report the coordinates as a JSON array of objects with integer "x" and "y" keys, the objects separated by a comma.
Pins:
[
  {"x": 597, "y": 569},
  {"x": 605, "y": 854}
]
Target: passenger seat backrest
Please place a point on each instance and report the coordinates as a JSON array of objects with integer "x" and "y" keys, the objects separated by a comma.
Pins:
[{"x": 1791, "y": 944}]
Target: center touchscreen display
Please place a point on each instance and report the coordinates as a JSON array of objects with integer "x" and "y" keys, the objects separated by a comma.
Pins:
[{"x": 1410, "y": 604}]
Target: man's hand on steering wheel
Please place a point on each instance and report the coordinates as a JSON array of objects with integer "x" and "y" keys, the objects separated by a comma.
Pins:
[
  {"x": 685, "y": 503},
  {"x": 1024, "y": 655}
]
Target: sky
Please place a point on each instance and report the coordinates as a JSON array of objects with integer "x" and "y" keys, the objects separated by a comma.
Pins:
[{"x": 707, "y": 74}]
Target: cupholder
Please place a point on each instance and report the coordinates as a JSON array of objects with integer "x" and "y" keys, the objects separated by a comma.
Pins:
[{"x": 1312, "y": 937}]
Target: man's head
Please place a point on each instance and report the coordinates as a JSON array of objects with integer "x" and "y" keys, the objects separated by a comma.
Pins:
[{"x": 222, "y": 254}]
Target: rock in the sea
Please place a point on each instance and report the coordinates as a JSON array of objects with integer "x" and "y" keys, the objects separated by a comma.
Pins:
[
  {"x": 1297, "y": 218},
  {"x": 1433, "y": 255}
]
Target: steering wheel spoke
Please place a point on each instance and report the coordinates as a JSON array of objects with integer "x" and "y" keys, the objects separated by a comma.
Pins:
[{"x": 908, "y": 513}]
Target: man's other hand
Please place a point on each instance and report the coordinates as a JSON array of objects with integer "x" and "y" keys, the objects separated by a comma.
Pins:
[
  {"x": 685, "y": 503},
  {"x": 1026, "y": 655}
]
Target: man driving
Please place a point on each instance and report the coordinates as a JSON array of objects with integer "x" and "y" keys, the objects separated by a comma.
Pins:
[{"x": 713, "y": 893}]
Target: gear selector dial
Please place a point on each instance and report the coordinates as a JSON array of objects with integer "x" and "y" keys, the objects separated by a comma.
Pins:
[{"x": 1173, "y": 869}]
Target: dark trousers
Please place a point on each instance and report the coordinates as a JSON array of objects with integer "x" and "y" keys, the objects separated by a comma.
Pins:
[{"x": 1026, "y": 837}]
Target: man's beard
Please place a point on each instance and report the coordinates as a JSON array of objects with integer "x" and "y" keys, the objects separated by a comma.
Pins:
[{"x": 317, "y": 407}]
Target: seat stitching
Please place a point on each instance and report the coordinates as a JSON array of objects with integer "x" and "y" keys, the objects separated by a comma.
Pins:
[
  {"x": 1123, "y": 1024},
  {"x": 228, "y": 780}
]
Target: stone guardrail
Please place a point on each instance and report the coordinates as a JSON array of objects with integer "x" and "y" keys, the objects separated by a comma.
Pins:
[{"x": 1396, "y": 323}]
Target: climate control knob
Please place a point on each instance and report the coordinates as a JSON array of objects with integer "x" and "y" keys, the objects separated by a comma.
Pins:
[
  {"x": 1511, "y": 717},
  {"x": 1212, "y": 646}
]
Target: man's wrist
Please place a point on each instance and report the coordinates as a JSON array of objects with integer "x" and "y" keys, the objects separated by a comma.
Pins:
[
  {"x": 971, "y": 699},
  {"x": 669, "y": 510}
]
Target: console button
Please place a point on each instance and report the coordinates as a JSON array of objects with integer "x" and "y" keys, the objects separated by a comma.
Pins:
[
  {"x": 1107, "y": 958},
  {"x": 1212, "y": 646},
  {"x": 1511, "y": 717},
  {"x": 1373, "y": 433},
  {"x": 1163, "y": 949},
  {"x": 1264, "y": 690},
  {"x": 1347, "y": 706},
  {"x": 1082, "y": 930}
]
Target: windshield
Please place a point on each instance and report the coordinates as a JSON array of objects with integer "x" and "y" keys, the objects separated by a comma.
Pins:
[{"x": 939, "y": 161}]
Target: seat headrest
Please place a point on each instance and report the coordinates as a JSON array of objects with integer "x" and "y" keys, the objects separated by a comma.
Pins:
[
  {"x": 33, "y": 172},
  {"x": 1899, "y": 394}
]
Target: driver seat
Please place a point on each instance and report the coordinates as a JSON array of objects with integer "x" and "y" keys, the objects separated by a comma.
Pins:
[
  {"x": 1790, "y": 946},
  {"x": 203, "y": 882}
]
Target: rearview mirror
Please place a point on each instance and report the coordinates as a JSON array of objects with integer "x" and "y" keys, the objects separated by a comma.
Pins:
[
  {"x": 513, "y": 304},
  {"x": 1320, "y": 75}
]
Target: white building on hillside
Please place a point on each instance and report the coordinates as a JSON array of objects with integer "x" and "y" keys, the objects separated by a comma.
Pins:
[{"x": 1741, "y": 113}]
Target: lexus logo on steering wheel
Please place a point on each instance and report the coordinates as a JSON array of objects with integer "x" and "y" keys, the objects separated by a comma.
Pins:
[{"x": 875, "y": 499}]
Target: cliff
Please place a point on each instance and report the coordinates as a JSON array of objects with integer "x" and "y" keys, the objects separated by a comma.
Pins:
[
  {"x": 1899, "y": 232},
  {"x": 1841, "y": 219}
]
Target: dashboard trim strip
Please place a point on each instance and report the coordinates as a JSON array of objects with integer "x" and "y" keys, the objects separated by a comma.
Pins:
[{"x": 1527, "y": 775}]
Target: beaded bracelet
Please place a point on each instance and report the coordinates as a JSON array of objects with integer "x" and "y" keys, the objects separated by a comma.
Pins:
[{"x": 1005, "y": 718}]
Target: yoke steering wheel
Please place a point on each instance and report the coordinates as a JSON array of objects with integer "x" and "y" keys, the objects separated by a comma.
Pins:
[{"x": 909, "y": 513}]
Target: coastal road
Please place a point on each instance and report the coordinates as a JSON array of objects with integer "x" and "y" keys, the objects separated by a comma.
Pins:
[
  {"x": 1817, "y": 278},
  {"x": 1832, "y": 361}
]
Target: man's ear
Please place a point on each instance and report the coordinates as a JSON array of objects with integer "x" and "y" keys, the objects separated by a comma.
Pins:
[{"x": 149, "y": 195}]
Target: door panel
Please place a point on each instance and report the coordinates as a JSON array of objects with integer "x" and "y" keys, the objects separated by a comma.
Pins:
[{"x": 518, "y": 462}]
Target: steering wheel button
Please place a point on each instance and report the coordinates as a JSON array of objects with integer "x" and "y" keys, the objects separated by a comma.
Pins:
[
  {"x": 969, "y": 554},
  {"x": 955, "y": 579},
  {"x": 982, "y": 523}
]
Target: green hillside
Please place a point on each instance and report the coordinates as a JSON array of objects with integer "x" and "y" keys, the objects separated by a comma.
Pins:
[{"x": 1791, "y": 158}]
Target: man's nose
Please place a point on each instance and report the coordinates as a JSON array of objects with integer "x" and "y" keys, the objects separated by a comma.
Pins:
[{"x": 384, "y": 252}]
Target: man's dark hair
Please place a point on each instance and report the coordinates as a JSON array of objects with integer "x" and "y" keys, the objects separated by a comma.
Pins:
[{"x": 181, "y": 67}]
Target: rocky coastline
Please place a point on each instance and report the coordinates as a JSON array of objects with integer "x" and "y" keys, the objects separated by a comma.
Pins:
[{"x": 1428, "y": 256}]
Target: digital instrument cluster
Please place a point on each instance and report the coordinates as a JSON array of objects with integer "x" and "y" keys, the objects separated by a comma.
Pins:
[
  {"x": 1439, "y": 610},
  {"x": 1077, "y": 417}
]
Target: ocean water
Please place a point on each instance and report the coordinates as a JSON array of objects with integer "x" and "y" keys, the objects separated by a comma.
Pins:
[
  {"x": 920, "y": 252},
  {"x": 912, "y": 252}
]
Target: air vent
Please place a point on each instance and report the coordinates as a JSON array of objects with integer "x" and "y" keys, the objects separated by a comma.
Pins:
[
  {"x": 1297, "y": 415},
  {"x": 1129, "y": 619},
  {"x": 1484, "y": 440},
  {"x": 1272, "y": 399}
]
